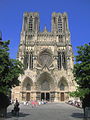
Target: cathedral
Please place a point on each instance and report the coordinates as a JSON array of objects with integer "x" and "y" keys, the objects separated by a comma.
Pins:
[{"x": 48, "y": 60}]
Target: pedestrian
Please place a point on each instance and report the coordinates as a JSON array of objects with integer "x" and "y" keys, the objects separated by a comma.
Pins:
[
  {"x": 83, "y": 106},
  {"x": 16, "y": 109}
]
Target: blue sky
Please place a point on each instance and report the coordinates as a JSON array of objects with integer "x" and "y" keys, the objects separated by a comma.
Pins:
[{"x": 11, "y": 16}]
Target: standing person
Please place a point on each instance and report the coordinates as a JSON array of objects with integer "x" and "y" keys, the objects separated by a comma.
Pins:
[
  {"x": 16, "y": 108},
  {"x": 83, "y": 106},
  {"x": 16, "y": 103}
]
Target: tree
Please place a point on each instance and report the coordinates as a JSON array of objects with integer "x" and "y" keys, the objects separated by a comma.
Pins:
[
  {"x": 82, "y": 67},
  {"x": 10, "y": 69},
  {"x": 82, "y": 74}
]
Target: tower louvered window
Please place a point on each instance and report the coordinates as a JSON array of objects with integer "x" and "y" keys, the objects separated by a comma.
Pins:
[
  {"x": 59, "y": 24},
  {"x": 30, "y": 23}
]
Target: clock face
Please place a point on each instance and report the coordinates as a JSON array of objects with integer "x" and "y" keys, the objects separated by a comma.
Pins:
[{"x": 45, "y": 58}]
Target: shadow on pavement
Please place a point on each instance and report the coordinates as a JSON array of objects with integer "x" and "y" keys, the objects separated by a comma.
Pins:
[
  {"x": 78, "y": 115},
  {"x": 86, "y": 119},
  {"x": 9, "y": 115}
]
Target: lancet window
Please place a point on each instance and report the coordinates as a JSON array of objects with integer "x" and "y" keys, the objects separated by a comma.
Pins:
[
  {"x": 61, "y": 60},
  {"x": 26, "y": 60},
  {"x": 31, "y": 60},
  {"x": 30, "y": 23},
  {"x": 64, "y": 60},
  {"x": 59, "y": 24}
]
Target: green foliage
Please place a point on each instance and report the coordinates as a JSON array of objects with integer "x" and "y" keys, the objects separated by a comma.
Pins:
[
  {"x": 80, "y": 92},
  {"x": 82, "y": 71},
  {"x": 10, "y": 69}
]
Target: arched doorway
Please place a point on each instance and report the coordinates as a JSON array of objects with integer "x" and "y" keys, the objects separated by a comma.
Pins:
[
  {"x": 45, "y": 86},
  {"x": 26, "y": 89},
  {"x": 63, "y": 87},
  {"x": 45, "y": 96}
]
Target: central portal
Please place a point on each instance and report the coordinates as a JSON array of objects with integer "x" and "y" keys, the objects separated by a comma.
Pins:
[
  {"x": 45, "y": 96},
  {"x": 45, "y": 84}
]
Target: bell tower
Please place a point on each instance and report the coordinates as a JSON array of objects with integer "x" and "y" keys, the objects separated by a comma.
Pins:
[
  {"x": 60, "y": 27},
  {"x": 30, "y": 22}
]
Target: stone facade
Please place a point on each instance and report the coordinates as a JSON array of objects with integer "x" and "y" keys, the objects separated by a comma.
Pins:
[{"x": 47, "y": 58}]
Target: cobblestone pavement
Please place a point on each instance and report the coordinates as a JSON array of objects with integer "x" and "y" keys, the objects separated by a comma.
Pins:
[{"x": 49, "y": 111}]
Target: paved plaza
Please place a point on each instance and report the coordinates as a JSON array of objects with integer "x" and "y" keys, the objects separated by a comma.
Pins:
[{"x": 49, "y": 111}]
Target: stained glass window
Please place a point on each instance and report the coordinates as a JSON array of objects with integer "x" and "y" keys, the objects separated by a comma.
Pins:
[
  {"x": 28, "y": 87},
  {"x": 45, "y": 86},
  {"x": 45, "y": 58},
  {"x": 62, "y": 86}
]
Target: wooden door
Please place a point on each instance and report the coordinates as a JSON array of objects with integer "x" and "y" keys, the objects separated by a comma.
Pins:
[
  {"x": 28, "y": 97},
  {"x": 62, "y": 96}
]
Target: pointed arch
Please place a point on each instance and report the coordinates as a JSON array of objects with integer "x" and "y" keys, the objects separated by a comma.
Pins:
[
  {"x": 45, "y": 82},
  {"x": 27, "y": 84},
  {"x": 63, "y": 85}
]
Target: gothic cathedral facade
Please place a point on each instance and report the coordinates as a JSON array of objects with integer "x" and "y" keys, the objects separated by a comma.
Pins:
[{"x": 47, "y": 58}]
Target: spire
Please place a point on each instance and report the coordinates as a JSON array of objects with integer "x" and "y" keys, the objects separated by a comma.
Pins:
[{"x": 45, "y": 29}]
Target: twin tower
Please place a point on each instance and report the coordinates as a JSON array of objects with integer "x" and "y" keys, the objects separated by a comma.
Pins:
[
  {"x": 31, "y": 22},
  {"x": 47, "y": 58}
]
